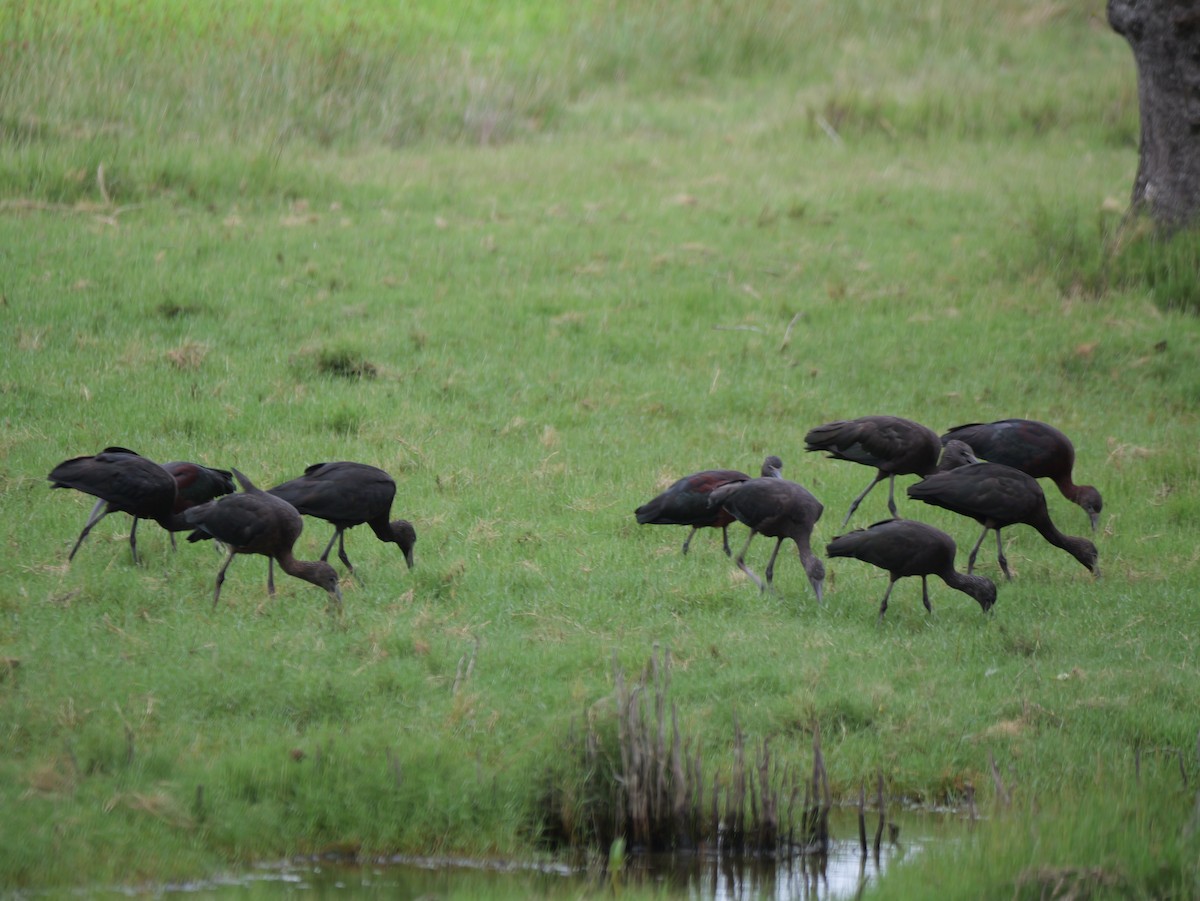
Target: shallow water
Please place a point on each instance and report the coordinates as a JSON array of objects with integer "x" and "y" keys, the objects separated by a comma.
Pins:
[{"x": 839, "y": 875}]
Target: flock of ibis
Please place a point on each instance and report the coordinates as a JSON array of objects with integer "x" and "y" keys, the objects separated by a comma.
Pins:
[
  {"x": 182, "y": 496},
  {"x": 985, "y": 471}
]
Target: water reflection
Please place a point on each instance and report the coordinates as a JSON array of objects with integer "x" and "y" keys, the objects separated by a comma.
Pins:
[{"x": 840, "y": 874}]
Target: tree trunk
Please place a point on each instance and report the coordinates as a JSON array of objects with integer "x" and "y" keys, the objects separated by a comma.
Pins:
[{"x": 1165, "y": 37}]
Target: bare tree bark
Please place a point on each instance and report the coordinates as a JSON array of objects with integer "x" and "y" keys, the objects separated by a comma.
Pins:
[{"x": 1165, "y": 38}]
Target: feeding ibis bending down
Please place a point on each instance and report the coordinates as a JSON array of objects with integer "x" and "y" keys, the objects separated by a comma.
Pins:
[
  {"x": 956, "y": 454},
  {"x": 685, "y": 503},
  {"x": 892, "y": 445},
  {"x": 779, "y": 509},
  {"x": 1035, "y": 448},
  {"x": 905, "y": 547},
  {"x": 255, "y": 522},
  {"x": 996, "y": 496},
  {"x": 124, "y": 482},
  {"x": 346, "y": 495}
]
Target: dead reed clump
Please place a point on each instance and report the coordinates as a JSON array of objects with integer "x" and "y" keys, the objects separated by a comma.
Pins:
[{"x": 634, "y": 776}]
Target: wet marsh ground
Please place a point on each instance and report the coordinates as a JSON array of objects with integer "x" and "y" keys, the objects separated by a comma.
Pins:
[{"x": 842, "y": 873}]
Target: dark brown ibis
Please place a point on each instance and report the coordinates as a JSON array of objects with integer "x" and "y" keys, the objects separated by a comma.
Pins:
[
  {"x": 346, "y": 495},
  {"x": 905, "y": 547},
  {"x": 124, "y": 482},
  {"x": 685, "y": 503},
  {"x": 997, "y": 496},
  {"x": 894, "y": 446},
  {"x": 1035, "y": 448},
  {"x": 779, "y": 509},
  {"x": 956, "y": 454},
  {"x": 195, "y": 485},
  {"x": 255, "y": 522}
]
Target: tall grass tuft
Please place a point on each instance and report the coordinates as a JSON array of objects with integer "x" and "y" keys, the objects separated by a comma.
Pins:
[{"x": 1128, "y": 254}]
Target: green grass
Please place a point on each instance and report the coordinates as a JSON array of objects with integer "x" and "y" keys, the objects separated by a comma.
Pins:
[
  {"x": 535, "y": 333},
  {"x": 1125, "y": 845}
]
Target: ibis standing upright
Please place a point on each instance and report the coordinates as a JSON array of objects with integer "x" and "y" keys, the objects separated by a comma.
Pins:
[{"x": 894, "y": 446}]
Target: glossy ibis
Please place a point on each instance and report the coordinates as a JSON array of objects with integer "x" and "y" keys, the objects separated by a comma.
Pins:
[
  {"x": 685, "y": 503},
  {"x": 1035, "y": 448},
  {"x": 195, "y": 485},
  {"x": 892, "y": 445},
  {"x": 956, "y": 454},
  {"x": 996, "y": 496},
  {"x": 346, "y": 495},
  {"x": 255, "y": 522},
  {"x": 779, "y": 509},
  {"x": 905, "y": 547},
  {"x": 124, "y": 482}
]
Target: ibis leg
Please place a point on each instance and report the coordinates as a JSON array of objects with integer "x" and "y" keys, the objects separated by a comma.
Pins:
[
  {"x": 329, "y": 547},
  {"x": 770, "y": 573},
  {"x": 1000, "y": 556},
  {"x": 879, "y": 477},
  {"x": 886, "y": 595},
  {"x": 221, "y": 578},
  {"x": 687, "y": 541},
  {"x": 342, "y": 553},
  {"x": 133, "y": 539},
  {"x": 975, "y": 551},
  {"x": 741, "y": 562},
  {"x": 98, "y": 513}
]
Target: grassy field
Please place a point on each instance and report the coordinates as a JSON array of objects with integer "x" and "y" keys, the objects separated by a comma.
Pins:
[{"x": 537, "y": 267}]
